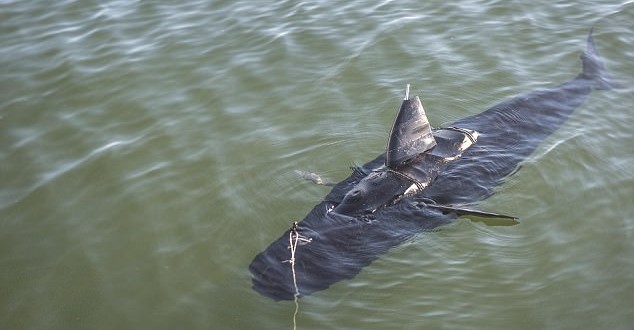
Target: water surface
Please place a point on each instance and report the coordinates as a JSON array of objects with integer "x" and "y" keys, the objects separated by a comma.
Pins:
[{"x": 148, "y": 150}]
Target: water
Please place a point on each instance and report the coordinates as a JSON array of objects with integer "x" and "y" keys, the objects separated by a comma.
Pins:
[{"x": 148, "y": 150}]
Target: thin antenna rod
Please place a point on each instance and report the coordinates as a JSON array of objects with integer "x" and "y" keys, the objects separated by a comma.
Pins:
[{"x": 407, "y": 92}]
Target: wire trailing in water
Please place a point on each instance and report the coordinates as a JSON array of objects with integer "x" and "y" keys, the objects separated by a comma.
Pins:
[{"x": 294, "y": 238}]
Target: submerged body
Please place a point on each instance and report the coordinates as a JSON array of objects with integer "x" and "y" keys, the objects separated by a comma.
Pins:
[{"x": 423, "y": 181}]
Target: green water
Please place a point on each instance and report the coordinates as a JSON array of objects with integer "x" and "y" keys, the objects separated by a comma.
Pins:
[{"x": 148, "y": 150}]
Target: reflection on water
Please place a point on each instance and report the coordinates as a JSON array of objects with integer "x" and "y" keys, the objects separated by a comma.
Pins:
[{"x": 148, "y": 150}]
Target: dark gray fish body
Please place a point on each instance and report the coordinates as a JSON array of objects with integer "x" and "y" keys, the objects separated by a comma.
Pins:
[{"x": 423, "y": 181}]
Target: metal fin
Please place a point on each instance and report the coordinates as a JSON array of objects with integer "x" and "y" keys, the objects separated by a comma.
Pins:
[
  {"x": 411, "y": 133},
  {"x": 465, "y": 211}
]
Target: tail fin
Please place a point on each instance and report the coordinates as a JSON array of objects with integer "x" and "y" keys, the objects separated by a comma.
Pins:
[{"x": 593, "y": 68}]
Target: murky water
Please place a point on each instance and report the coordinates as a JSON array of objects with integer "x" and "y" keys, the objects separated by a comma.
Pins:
[{"x": 148, "y": 150}]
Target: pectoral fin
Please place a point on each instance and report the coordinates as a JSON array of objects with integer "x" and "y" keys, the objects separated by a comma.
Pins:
[
  {"x": 315, "y": 178},
  {"x": 500, "y": 219}
]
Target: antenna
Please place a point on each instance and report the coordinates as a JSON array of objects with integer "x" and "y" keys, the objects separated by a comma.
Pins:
[{"x": 407, "y": 92}]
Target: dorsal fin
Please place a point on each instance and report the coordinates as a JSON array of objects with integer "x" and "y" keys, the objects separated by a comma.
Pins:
[{"x": 411, "y": 133}]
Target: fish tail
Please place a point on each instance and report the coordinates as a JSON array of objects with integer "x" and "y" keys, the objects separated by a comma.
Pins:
[{"x": 593, "y": 68}]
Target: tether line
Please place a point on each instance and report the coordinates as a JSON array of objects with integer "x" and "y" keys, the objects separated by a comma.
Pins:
[{"x": 293, "y": 240}]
